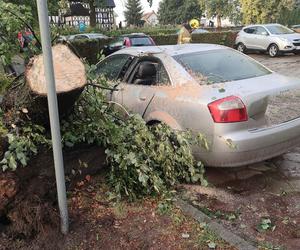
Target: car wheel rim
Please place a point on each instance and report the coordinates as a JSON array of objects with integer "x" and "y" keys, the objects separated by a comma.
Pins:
[
  {"x": 241, "y": 48},
  {"x": 273, "y": 50}
]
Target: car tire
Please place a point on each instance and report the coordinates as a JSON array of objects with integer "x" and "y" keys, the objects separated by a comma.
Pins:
[
  {"x": 273, "y": 50},
  {"x": 241, "y": 48}
]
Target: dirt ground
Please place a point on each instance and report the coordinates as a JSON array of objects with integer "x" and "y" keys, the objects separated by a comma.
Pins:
[
  {"x": 260, "y": 203},
  {"x": 97, "y": 223}
]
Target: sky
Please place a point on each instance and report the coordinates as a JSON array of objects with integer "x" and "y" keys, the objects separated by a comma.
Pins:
[{"x": 120, "y": 7}]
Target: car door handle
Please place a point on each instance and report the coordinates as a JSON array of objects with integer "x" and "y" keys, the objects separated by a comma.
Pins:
[{"x": 143, "y": 98}]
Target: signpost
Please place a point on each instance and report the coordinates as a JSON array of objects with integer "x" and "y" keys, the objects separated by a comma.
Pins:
[
  {"x": 82, "y": 26},
  {"x": 53, "y": 113}
]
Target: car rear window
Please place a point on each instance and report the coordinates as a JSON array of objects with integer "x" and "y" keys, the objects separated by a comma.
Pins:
[
  {"x": 141, "y": 41},
  {"x": 222, "y": 65}
]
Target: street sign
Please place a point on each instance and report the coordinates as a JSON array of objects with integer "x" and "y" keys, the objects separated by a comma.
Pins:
[{"x": 82, "y": 26}]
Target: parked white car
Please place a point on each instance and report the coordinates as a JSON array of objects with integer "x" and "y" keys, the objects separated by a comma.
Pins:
[{"x": 273, "y": 38}]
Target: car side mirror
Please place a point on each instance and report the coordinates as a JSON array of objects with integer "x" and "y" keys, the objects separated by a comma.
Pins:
[{"x": 265, "y": 33}]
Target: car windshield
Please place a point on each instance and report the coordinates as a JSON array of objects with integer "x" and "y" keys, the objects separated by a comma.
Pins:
[
  {"x": 279, "y": 30},
  {"x": 141, "y": 41},
  {"x": 222, "y": 65}
]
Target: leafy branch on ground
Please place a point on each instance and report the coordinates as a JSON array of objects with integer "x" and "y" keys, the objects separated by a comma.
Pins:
[{"x": 144, "y": 160}]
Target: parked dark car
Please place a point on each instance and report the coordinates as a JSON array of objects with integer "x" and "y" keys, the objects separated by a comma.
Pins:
[{"x": 129, "y": 40}]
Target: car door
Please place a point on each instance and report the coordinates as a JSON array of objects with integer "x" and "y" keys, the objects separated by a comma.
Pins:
[
  {"x": 261, "y": 38},
  {"x": 137, "y": 96},
  {"x": 249, "y": 37}
]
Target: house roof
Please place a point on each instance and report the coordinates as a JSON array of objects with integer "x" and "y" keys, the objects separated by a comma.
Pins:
[
  {"x": 147, "y": 15},
  {"x": 110, "y": 3},
  {"x": 77, "y": 9}
]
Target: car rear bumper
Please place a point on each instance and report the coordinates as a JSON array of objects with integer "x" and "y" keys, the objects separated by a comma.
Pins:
[{"x": 247, "y": 147}]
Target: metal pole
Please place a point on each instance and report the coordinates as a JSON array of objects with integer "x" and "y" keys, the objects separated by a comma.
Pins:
[{"x": 53, "y": 113}]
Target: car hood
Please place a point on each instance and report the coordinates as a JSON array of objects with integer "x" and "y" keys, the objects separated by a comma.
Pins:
[{"x": 290, "y": 37}]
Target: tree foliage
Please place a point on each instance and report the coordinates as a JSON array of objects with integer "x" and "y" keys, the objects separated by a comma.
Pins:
[
  {"x": 133, "y": 13},
  {"x": 178, "y": 11},
  {"x": 265, "y": 11},
  {"x": 290, "y": 17},
  {"x": 53, "y": 6},
  {"x": 219, "y": 9},
  {"x": 10, "y": 25}
]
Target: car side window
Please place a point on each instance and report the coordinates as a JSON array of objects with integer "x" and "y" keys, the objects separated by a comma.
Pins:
[
  {"x": 150, "y": 73},
  {"x": 112, "y": 66},
  {"x": 162, "y": 76},
  {"x": 260, "y": 31},
  {"x": 79, "y": 37},
  {"x": 118, "y": 43},
  {"x": 250, "y": 30}
]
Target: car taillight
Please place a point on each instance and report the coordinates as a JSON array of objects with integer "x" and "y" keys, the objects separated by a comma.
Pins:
[
  {"x": 127, "y": 42},
  {"x": 227, "y": 110}
]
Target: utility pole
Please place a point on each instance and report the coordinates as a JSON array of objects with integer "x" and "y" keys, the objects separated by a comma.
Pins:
[{"x": 53, "y": 113}]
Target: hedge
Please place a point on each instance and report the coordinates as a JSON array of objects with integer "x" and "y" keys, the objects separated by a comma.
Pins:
[
  {"x": 90, "y": 49},
  {"x": 224, "y": 38}
]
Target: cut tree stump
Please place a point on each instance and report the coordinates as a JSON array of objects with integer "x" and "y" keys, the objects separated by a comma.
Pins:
[{"x": 27, "y": 100}]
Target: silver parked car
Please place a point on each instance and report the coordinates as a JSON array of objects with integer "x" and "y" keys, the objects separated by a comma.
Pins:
[
  {"x": 247, "y": 112},
  {"x": 273, "y": 38}
]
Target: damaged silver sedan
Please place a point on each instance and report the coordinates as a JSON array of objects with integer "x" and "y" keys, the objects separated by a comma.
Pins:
[{"x": 247, "y": 112}]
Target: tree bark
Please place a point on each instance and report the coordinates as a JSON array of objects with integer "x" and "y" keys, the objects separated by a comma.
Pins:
[
  {"x": 219, "y": 21},
  {"x": 92, "y": 13}
]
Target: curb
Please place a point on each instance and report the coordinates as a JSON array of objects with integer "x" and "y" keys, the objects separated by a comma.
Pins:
[{"x": 226, "y": 235}]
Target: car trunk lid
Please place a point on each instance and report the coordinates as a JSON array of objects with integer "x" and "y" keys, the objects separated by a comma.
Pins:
[{"x": 271, "y": 99}]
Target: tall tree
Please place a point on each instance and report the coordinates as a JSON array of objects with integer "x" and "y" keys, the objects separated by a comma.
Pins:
[
  {"x": 133, "y": 12},
  {"x": 265, "y": 11},
  {"x": 178, "y": 11},
  {"x": 218, "y": 8}
]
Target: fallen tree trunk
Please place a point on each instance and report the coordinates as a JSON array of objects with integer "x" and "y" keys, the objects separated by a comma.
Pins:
[{"x": 27, "y": 99}]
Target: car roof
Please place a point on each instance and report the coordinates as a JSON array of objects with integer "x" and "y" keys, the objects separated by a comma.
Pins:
[
  {"x": 88, "y": 34},
  {"x": 134, "y": 35},
  {"x": 171, "y": 50},
  {"x": 266, "y": 25}
]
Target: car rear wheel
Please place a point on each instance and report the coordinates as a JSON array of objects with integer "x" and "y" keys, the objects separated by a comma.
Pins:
[
  {"x": 241, "y": 47},
  {"x": 273, "y": 50}
]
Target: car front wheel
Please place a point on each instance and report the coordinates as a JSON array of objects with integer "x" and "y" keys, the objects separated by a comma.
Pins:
[
  {"x": 273, "y": 50},
  {"x": 241, "y": 47}
]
